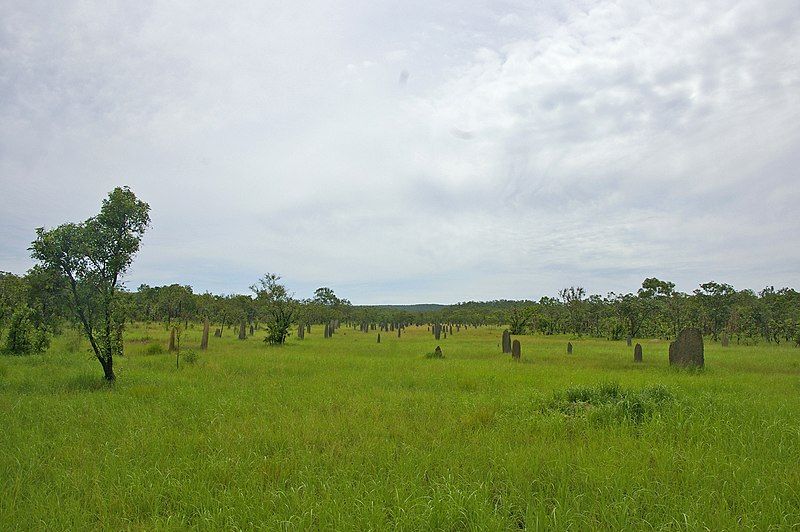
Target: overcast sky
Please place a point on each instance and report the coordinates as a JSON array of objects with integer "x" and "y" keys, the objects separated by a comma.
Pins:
[{"x": 415, "y": 151}]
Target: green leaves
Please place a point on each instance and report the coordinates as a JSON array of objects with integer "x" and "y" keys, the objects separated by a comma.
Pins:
[{"x": 93, "y": 256}]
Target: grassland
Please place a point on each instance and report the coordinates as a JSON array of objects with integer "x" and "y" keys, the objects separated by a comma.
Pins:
[{"x": 349, "y": 434}]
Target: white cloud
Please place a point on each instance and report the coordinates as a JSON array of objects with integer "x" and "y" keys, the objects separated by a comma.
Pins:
[{"x": 530, "y": 148}]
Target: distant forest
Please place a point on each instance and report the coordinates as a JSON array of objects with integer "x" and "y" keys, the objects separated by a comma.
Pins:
[{"x": 656, "y": 310}]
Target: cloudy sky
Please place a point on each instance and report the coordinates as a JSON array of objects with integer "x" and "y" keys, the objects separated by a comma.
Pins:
[{"x": 413, "y": 151}]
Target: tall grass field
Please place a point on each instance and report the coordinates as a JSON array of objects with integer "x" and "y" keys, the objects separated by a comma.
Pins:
[{"x": 349, "y": 434}]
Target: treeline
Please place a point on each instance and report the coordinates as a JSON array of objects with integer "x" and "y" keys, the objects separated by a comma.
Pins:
[
  {"x": 80, "y": 266},
  {"x": 656, "y": 310}
]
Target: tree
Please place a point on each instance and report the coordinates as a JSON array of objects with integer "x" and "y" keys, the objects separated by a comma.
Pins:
[
  {"x": 92, "y": 257},
  {"x": 518, "y": 320},
  {"x": 326, "y": 306},
  {"x": 714, "y": 301},
  {"x": 276, "y": 306},
  {"x": 573, "y": 301}
]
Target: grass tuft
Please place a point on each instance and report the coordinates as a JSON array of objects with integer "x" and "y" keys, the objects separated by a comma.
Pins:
[
  {"x": 153, "y": 349},
  {"x": 609, "y": 401}
]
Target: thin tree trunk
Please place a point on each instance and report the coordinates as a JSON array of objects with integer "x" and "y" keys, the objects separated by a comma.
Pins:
[{"x": 108, "y": 368}]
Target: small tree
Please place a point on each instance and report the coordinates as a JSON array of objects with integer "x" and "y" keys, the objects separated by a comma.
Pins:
[
  {"x": 92, "y": 257},
  {"x": 276, "y": 305}
]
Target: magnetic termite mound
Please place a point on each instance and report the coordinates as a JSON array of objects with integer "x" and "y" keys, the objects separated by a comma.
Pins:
[
  {"x": 506, "y": 341},
  {"x": 516, "y": 350},
  {"x": 687, "y": 349},
  {"x": 204, "y": 339}
]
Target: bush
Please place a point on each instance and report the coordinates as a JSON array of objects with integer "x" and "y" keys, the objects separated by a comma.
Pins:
[
  {"x": 435, "y": 354},
  {"x": 41, "y": 341},
  {"x": 23, "y": 338},
  {"x": 190, "y": 356}
]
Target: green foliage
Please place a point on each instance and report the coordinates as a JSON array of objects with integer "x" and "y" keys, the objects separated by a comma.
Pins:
[
  {"x": 91, "y": 258},
  {"x": 518, "y": 320},
  {"x": 190, "y": 356},
  {"x": 276, "y": 307},
  {"x": 714, "y": 302},
  {"x": 655, "y": 310},
  {"x": 23, "y": 337},
  {"x": 615, "y": 329},
  {"x": 12, "y": 295}
]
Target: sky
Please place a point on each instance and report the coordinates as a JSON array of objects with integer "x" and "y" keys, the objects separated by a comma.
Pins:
[{"x": 417, "y": 151}]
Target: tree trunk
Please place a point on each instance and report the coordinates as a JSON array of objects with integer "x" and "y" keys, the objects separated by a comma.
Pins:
[{"x": 108, "y": 368}]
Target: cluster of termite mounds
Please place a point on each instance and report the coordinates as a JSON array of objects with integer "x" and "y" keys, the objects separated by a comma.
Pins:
[
  {"x": 509, "y": 346},
  {"x": 686, "y": 350},
  {"x": 330, "y": 328},
  {"x": 441, "y": 330}
]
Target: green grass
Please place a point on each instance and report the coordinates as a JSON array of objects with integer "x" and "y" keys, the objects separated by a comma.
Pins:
[{"x": 349, "y": 434}]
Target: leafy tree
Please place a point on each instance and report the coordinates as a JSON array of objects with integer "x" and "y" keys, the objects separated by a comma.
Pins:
[
  {"x": 47, "y": 297},
  {"x": 518, "y": 320},
  {"x": 92, "y": 257},
  {"x": 277, "y": 307},
  {"x": 714, "y": 302},
  {"x": 573, "y": 301},
  {"x": 326, "y": 306},
  {"x": 653, "y": 287},
  {"x": 175, "y": 302}
]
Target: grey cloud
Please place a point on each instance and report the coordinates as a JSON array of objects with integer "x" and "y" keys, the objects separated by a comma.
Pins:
[{"x": 538, "y": 146}]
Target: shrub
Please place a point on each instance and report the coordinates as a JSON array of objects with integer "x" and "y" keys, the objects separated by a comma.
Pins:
[
  {"x": 437, "y": 353},
  {"x": 23, "y": 338},
  {"x": 190, "y": 357},
  {"x": 41, "y": 341}
]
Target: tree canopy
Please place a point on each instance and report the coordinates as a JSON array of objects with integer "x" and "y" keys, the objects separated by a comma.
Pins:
[{"x": 92, "y": 257}]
